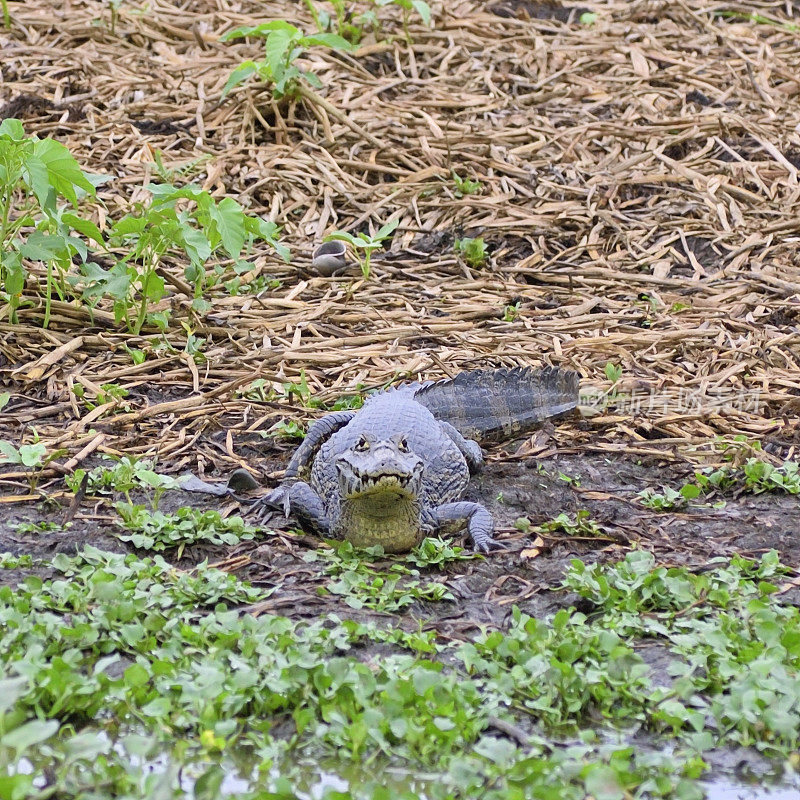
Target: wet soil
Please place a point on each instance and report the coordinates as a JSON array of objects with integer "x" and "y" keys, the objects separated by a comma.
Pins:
[{"x": 524, "y": 574}]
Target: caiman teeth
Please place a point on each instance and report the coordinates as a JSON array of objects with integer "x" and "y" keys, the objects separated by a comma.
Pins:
[{"x": 386, "y": 480}]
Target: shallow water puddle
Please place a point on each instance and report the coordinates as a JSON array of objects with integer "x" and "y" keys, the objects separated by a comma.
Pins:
[{"x": 724, "y": 790}]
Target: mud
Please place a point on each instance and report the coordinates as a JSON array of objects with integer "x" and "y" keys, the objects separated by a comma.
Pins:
[{"x": 486, "y": 589}]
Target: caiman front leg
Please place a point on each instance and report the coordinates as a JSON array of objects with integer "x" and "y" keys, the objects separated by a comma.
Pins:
[
  {"x": 299, "y": 499},
  {"x": 469, "y": 449},
  {"x": 480, "y": 525},
  {"x": 318, "y": 433}
]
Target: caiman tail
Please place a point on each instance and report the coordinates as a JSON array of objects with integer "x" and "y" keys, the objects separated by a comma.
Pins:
[{"x": 505, "y": 402}]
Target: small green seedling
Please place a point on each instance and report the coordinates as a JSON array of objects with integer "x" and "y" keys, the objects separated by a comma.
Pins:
[
  {"x": 669, "y": 499},
  {"x": 511, "y": 312},
  {"x": 27, "y": 455},
  {"x": 613, "y": 372},
  {"x": 473, "y": 251},
  {"x": 109, "y": 392},
  {"x": 588, "y": 18},
  {"x": 466, "y": 186},
  {"x": 407, "y": 6},
  {"x": 341, "y": 20},
  {"x": 286, "y": 429},
  {"x": 284, "y": 44},
  {"x": 366, "y": 243}
]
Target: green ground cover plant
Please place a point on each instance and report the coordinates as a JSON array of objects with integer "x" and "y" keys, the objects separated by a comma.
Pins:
[
  {"x": 127, "y": 677},
  {"x": 157, "y": 531},
  {"x": 754, "y": 476},
  {"x": 473, "y": 251}
]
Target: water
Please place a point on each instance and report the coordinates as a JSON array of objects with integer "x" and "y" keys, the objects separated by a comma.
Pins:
[{"x": 725, "y": 790}]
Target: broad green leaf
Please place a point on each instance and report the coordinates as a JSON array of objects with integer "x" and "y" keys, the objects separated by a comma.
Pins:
[
  {"x": 282, "y": 250},
  {"x": 11, "y": 689},
  {"x": 84, "y": 226},
  {"x": 423, "y": 9},
  {"x": 690, "y": 491},
  {"x": 239, "y": 75},
  {"x": 136, "y": 675},
  {"x": 63, "y": 171},
  {"x": 33, "y": 732},
  {"x": 602, "y": 783},
  {"x": 154, "y": 290},
  {"x": 8, "y": 452},
  {"x": 277, "y": 49},
  {"x": 342, "y": 236},
  {"x": 37, "y": 178},
  {"x": 12, "y": 128},
  {"x": 128, "y": 225},
  {"x": 15, "y": 272},
  {"x": 387, "y": 229},
  {"x": 42, "y": 246},
  {"x": 229, "y": 219},
  {"x": 196, "y": 244},
  {"x": 32, "y": 455},
  {"x": 114, "y": 282},
  {"x": 327, "y": 40},
  {"x": 4, "y": 398},
  {"x": 312, "y": 79}
]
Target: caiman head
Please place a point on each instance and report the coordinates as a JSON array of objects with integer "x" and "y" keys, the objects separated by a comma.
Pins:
[{"x": 380, "y": 482}]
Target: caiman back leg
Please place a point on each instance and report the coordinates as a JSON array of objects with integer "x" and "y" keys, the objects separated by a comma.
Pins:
[
  {"x": 469, "y": 449},
  {"x": 321, "y": 430},
  {"x": 479, "y": 522}
]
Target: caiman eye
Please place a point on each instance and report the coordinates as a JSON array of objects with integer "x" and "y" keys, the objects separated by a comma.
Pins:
[
  {"x": 402, "y": 445},
  {"x": 362, "y": 444}
]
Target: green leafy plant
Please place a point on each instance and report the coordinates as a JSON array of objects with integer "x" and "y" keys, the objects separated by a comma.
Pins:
[
  {"x": 407, "y": 6},
  {"x": 365, "y": 243},
  {"x": 158, "y": 532},
  {"x": 44, "y": 526},
  {"x": 361, "y": 585},
  {"x": 613, "y": 372},
  {"x": 347, "y": 25},
  {"x": 185, "y": 220},
  {"x": 109, "y": 393},
  {"x": 284, "y": 44},
  {"x": 466, "y": 186},
  {"x": 124, "y": 475},
  {"x": 26, "y": 455},
  {"x": 473, "y": 251},
  {"x": 286, "y": 429},
  {"x": 669, "y": 499},
  {"x": 582, "y": 525},
  {"x": 511, "y": 312},
  {"x": 34, "y": 175}
]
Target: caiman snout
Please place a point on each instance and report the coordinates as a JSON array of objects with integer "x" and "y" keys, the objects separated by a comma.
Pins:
[{"x": 378, "y": 467}]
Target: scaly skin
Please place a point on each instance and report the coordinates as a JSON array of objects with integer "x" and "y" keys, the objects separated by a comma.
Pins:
[{"x": 392, "y": 473}]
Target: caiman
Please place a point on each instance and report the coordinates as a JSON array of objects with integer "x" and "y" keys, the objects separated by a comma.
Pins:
[{"x": 395, "y": 470}]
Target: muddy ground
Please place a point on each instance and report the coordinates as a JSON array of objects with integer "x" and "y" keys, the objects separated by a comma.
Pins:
[{"x": 524, "y": 574}]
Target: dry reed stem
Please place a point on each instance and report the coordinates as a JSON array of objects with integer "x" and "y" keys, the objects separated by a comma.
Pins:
[{"x": 639, "y": 199}]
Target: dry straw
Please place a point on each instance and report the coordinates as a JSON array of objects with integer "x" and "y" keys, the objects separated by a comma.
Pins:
[{"x": 639, "y": 177}]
